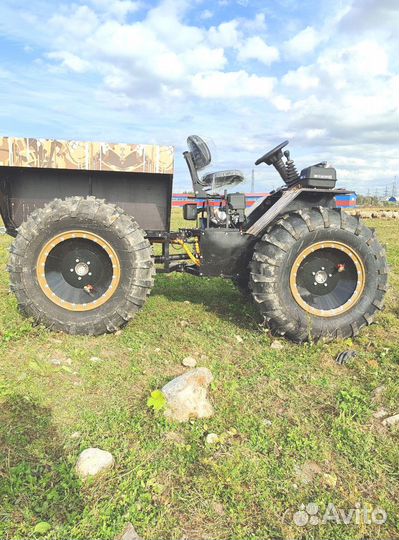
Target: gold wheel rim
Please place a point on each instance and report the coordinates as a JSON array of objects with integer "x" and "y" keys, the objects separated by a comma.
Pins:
[
  {"x": 359, "y": 285},
  {"x": 71, "y": 235}
]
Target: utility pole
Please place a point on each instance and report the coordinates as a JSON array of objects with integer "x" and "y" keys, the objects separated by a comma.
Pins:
[{"x": 253, "y": 181}]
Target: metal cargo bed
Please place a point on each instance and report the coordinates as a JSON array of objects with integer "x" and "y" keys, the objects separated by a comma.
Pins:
[{"x": 136, "y": 177}]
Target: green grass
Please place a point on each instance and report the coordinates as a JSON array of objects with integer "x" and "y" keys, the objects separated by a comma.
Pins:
[{"x": 275, "y": 411}]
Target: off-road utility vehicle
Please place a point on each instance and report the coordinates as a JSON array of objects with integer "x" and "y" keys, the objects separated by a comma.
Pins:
[{"x": 85, "y": 217}]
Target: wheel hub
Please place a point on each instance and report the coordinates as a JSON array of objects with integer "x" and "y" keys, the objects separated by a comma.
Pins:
[
  {"x": 321, "y": 277},
  {"x": 82, "y": 268},
  {"x": 78, "y": 270},
  {"x": 327, "y": 278}
]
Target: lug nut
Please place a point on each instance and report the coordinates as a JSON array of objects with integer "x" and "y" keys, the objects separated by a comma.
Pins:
[
  {"x": 329, "y": 275},
  {"x": 322, "y": 268},
  {"x": 325, "y": 284},
  {"x": 315, "y": 283},
  {"x": 313, "y": 273}
]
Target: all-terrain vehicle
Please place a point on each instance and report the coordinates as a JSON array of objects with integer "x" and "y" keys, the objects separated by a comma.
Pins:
[{"x": 85, "y": 217}]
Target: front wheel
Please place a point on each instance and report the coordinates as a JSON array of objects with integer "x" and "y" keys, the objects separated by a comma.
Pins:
[
  {"x": 318, "y": 273},
  {"x": 81, "y": 266}
]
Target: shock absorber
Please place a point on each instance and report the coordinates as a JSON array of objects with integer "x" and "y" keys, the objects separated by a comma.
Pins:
[{"x": 292, "y": 175}]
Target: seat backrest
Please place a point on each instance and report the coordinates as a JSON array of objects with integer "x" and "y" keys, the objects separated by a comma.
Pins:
[{"x": 200, "y": 153}]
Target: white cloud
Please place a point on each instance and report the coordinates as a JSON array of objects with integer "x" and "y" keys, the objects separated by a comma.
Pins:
[
  {"x": 117, "y": 8},
  {"x": 301, "y": 78},
  {"x": 255, "y": 48},
  {"x": 70, "y": 61},
  {"x": 206, "y": 14},
  {"x": 315, "y": 133},
  {"x": 225, "y": 35},
  {"x": 281, "y": 103},
  {"x": 258, "y": 24},
  {"x": 362, "y": 61},
  {"x": 303, "y": 43},
  {"x": 235, "y": 84}
]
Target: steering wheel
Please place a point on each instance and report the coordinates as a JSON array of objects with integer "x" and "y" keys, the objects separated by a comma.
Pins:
[{"x": 273, "y": 155}]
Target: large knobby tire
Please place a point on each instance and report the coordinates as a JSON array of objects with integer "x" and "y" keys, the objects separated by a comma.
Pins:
[
  {"x": 318, "y": 273},
  {"x": 81, "y": 266}
]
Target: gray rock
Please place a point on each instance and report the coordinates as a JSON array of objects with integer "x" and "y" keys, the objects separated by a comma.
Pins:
[
  {"x": 391, "y": 420},
  {"x": 277, "y": 345},
  {"x": 93, "y": 461},
  {"x": 129, "y": 533},
  {"x": 55, "y": 362},
  {"x": 307, "y": 472},
  {"x": 380, "y": 413},
  {"x": 212, "y": 438},
  {"x": 186, "y": 396},
  {"x": 95, "y": 359},
  {"x": 2, "y": 230},
  {"x": 189, "y": 361}
]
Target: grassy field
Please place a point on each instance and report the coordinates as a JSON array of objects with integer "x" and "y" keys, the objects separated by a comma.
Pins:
[{"x": 294, "y": 427}]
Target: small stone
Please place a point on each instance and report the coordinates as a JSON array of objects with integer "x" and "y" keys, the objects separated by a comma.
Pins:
[
  {"x": 212, "y": 438},
  {"x": 307, "y": 472},
  {"x": 68, "y": 362},
  {"x": 157, "y": 350},
  {"x": 187, "y": 302},
  {"x": 186, "y": 396},
  {"x": 380, "y": 413},
  {"x": 55, "y": 362},
  {"x": 118, "y": 333},
  {"x": 330, "y": 479},
  {"x": 267, "y": 422},
  {"x": 129, "y": 533},
  {"x": 189, "y": 362},
  {"x": 391, "y": 420},
  {"x": 183, "y": 324},
  {"x": 175, "y": 437},
  {"x": 203, "y": 358},
  {"x": 95, "y": 359},
  {"x": 239, "y": 339},
  {"x": 75, "y": 435},
  {"x": 218, "y": 508},
  {"x": 93, "y": 461},
  {"x": 378, "y": 392},
  {"x": 277, "y": 345}
]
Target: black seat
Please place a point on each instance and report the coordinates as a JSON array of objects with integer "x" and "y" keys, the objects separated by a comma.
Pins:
[
  {"x": 222, "y": 178},
  {"x": 199, "y": 157}
]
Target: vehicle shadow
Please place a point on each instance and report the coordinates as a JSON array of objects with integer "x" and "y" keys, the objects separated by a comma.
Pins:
[
  {"x": 216, "y": 295},
  {"x": 36, "y": 483}
]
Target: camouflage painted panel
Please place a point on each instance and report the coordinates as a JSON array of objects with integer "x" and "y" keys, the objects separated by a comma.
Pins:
[{"x": 53, "y": 154}]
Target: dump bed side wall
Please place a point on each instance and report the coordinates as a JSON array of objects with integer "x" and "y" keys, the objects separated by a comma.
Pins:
[{"x": 145, "y": 196}]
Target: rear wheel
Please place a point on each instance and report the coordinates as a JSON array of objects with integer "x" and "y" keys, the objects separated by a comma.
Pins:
[
  {"x": 318, "y": 273},
  {"x": 81, "y": 266}
]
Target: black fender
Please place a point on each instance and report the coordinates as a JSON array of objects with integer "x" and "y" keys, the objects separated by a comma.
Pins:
[{"x": 287, "y": 200}]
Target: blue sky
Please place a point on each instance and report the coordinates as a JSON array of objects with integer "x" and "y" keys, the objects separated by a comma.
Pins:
[{"x": 247, "y": 73}]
